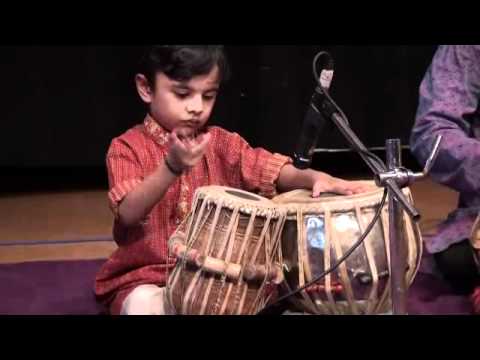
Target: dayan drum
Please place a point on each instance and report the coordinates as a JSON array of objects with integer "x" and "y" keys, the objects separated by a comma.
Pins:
[
  {"x": 229, "y": 254},
  {"x": 320, "y": 231}
]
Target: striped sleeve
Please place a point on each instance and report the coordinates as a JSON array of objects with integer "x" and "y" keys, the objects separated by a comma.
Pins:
[
  {"x": 257, "y": 168},
  {"x": 124, "y": 172},
  {"x": 271, "y": 172}
]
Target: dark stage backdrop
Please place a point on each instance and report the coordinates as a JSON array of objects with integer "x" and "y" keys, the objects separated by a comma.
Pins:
[{"x": 62, "y": 105}]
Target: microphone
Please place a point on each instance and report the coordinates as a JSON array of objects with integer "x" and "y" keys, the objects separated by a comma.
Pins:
[{"x": 314, "y": 121}]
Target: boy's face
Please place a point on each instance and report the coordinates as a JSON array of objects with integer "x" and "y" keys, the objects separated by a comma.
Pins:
[{"x": 185, "y": 104}]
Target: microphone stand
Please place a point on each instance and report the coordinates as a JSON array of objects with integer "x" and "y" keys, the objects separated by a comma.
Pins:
[{"x": 393, "y": 178}]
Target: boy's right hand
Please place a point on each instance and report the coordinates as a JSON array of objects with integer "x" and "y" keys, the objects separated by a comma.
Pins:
[{"x": 184, "y": 151}]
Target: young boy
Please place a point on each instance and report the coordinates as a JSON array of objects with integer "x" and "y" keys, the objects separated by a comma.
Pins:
[{"x": 155, "y": 168}]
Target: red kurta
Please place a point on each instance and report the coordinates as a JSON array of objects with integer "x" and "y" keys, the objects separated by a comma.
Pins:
[{"x": 141, "y": 257}]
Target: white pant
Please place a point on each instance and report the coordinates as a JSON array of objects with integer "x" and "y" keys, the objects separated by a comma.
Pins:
[{"x": 147, "y": 300}]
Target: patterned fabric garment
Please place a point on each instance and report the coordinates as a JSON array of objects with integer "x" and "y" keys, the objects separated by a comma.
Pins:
[
  {"x": 141, "y": 257},
  {"x": 449, "y": 105}
]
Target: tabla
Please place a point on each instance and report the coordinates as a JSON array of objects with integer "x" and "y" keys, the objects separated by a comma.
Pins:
[
  {"x": 229, "y": 254},
  {"x": 319, "y": 231}
]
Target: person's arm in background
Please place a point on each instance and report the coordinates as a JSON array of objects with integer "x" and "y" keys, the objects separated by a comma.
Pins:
[{"x": 448, "y": 105}]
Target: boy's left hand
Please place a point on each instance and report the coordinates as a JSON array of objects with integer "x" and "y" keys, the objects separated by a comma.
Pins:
[{"x": 326, "y": 183}]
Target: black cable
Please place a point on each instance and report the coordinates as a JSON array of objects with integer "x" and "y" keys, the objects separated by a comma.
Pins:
[
  {"x": 340, "y": 261},
  {"x": 315, "y": 60},
  {"x": 317, "y": 79},
  {"x": 339, "y": 110},
  {"x": 374, "y": 157}
]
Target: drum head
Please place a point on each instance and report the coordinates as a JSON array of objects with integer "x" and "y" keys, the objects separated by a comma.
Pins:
[{"x": 232, "y": 198}]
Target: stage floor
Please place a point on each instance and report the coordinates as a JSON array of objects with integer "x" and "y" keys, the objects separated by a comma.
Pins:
[
  {"x": 76, "y": 225},
  {"x": 52, "y": 244}
]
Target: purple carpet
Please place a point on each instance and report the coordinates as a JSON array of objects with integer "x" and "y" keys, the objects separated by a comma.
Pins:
[
  {"x": 49, "y": 288},
  {"x": 65, "y": 287}
]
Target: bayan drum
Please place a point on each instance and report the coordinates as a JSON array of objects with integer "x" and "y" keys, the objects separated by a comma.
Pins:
[{"x": 320, "y": 231}]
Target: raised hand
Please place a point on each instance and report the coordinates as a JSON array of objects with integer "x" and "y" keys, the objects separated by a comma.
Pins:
[{"x": 186, "y": 150}]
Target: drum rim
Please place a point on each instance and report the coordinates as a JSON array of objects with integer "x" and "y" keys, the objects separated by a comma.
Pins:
[
  {"x": 331, "y": 203},
  {"x": 264, "y": 206},
  {"x": 285, "y": 195}
]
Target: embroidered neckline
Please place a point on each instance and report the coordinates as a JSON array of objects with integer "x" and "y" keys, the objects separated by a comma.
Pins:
[{"x": 159, "y": 134}]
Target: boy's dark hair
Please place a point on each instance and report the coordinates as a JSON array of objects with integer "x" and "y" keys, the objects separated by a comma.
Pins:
[{"x": 181, "y": 63}]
